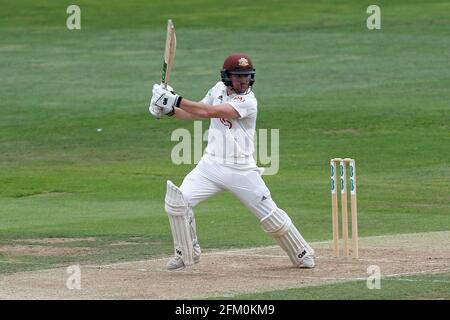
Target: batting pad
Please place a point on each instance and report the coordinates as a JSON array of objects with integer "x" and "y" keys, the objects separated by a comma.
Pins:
[
  {"x": 280, "y": 227},
  {"x": 177, "y": 210}
]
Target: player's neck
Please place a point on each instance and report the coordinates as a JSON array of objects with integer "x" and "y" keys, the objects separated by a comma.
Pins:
[{"x": 231, "y": 91}]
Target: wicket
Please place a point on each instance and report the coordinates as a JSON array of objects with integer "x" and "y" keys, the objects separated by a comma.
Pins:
[{"x": 335, "y": 209}]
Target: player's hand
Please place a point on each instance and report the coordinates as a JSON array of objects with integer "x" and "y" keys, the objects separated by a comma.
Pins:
[
  {"x": 168, "y": 88},
  {"x": 155, "y": 110},
  {"x": 165, "y": 99}
]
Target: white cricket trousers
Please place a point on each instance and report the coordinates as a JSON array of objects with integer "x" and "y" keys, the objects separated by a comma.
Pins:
[{"x": 210, "y": 177}]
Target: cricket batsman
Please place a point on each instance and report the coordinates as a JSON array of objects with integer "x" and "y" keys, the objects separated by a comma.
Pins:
[{"x": 226, "y": 165}]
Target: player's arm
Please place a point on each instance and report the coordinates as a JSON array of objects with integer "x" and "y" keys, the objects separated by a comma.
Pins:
[
  {"x": 170, "y": 103},
  {"x": 184, "y": 115},
  {"x": 202, "y": 110}
]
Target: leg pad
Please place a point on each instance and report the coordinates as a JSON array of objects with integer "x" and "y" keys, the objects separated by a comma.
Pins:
[
  {"x": 183, "y": 234},
  {"x": 278, "y": 225}
]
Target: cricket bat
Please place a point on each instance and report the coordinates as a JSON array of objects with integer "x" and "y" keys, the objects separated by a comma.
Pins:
[{"x": 169, "y": 52}]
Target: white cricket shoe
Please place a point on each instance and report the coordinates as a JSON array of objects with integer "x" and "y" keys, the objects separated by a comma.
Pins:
[
  {"x": 307, "y": 261},
  {"x": 176, "y": 263}
]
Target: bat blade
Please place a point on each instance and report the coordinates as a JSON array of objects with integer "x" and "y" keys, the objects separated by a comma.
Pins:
[{"x": 169, "y": 52}]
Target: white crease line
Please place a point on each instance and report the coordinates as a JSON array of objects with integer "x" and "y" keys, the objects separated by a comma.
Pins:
[
  {"x": 32, "y": 263},
  {"x": 414, "y": 280},
  {"x": 418, "y": 272},
  {"x": 255, "y": 255},
  {"x": 211, "y": 253},
  {"x": 239, "y": 250},
  {"x": 340, "y": 260}
]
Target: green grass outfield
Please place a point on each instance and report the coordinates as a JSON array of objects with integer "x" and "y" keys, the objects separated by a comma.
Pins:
[{"x": 331, "y": 86}]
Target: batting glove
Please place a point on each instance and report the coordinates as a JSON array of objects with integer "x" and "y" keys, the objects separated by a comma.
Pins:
[
  {"x": 155, "y": 110},
  {"x": 165, "y": 99}
]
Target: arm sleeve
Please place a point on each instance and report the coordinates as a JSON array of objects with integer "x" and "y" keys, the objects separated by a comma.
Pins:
[
  {"x": 209, "y": 99},
  {"x": 245, "y": 106}
]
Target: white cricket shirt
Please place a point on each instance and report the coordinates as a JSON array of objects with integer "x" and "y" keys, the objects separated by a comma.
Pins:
[{"x": 231, "y": 141}]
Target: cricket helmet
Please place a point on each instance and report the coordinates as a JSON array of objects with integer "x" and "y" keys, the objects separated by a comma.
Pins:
[{"x": 237, "y": 63}]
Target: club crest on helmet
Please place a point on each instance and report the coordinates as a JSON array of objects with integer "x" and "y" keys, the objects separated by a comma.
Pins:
[{"x": 243, "y": 62}]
